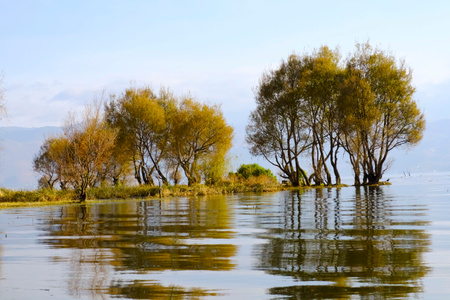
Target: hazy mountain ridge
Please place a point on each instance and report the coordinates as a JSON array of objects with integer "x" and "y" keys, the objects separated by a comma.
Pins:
[
  {"x": 431, "y": 155},
  {"x": 19, "y": 145}
]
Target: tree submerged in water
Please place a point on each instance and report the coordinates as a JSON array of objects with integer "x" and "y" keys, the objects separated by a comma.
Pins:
[{"x": 314, "y": 105}]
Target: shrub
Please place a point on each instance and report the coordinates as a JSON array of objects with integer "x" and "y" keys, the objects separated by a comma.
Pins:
[{"x": 256, "y": 170}]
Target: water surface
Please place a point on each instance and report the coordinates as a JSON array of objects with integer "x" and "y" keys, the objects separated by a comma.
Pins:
[{"x": 349, "y": 243}]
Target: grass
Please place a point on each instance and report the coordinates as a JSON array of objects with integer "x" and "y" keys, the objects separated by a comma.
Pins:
[
  {"x": 14, "y": 198},
  {"x": 18, "y": 198}
]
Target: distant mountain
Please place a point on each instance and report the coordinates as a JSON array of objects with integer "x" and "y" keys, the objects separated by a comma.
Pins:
[
  {"x": 19, "y": 145},
  {"x": 431, "y": 155}
]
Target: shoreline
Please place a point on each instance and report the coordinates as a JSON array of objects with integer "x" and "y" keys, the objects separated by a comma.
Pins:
[{"x": 46, "y": 197}]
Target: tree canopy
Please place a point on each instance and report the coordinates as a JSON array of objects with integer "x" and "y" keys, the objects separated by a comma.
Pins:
[
  {"x": 164, "y": 134},
  {"x": 313, "y": 105},
  {"x": 200, "y": 136},
  {"x": 81, "y": 156},
  {"x": 248, "y": 170},
  {"x": 154, "y": 135}
]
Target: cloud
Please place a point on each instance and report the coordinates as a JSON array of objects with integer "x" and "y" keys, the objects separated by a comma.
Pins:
[
  {"x": 73, "y": 96},
  {"x": 44, "y": 104}
]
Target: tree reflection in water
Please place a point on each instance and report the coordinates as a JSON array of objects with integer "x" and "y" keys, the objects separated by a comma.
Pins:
[
  {"x": 140, "y": 236},
  {"x": 327, "y": 243},
  {"x": 342, "y": 247},
  {"x": 150, "y": 290}
]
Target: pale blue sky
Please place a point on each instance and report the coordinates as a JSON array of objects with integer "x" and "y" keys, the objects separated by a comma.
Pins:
[{"x": 56, "y": 54}]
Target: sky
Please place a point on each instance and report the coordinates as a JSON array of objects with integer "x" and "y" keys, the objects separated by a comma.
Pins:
[{"x": 56, "y": 56}]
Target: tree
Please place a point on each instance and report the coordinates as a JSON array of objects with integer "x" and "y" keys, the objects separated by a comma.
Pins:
[
  {"x": 321, "y": 84},
  {"x": 378, "y": 112},
  {"x": 312, "y": 105},
  {"x": 45, "y": 163},
  {"x": 81, "y": 155},
  {"x": 277, "y": 130},
  {"x": 199, "y": 134},
  {"x": 214, "y": 168},
  {"x": 356, "y": 113},
  {"x": 163, "y": 135},
  {"x": 140, "y": 117}
]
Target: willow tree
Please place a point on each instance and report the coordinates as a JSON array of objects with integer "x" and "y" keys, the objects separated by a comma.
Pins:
[
  {"x": 90, "y": 145},
  {"x": 356, "y": 114},
  {"x": 321, "y": 84},
  {"x": 199, "y": 136},
  {"x": 81, "y": 156},
  {"x": 140, "y": 117},
  {"x": 277, "y": 131},
  {"x": 46, "y": 164},
  {"x": 311, "y": 105},
  {"x": 378, "y": 110},
  {"x": 51, "y": 162}
]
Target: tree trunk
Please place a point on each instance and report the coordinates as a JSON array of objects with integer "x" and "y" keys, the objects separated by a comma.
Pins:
[
  {"x": 333, "y": 161},
  {"x": 305, "y": 177},
  {"x": 294, "y": 180},
  {"x": 191, "y": 180},
  {"x": 372, "y": 178},
  {"x": 357, "y": 180},
  {"x": 190, "y": 175},
  {"x": 82, "y": 196},
  {"x": 81, "y": 193}
]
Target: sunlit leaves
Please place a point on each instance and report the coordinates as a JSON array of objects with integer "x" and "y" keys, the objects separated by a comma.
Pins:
[
  {"x": 317, "y": 104},
  {"x": 200, "y": 137},
  {"x": 377, "y": 109},
  {"x": 164, "y": 134},
  {"x": 81, "y": 156}
]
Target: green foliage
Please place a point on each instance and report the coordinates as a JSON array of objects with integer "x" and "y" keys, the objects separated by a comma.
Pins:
[
  {"x": 47, "y": 196},
  {"x": 40, "y": 195},
  {"x": 80, "y": 157},
  {"x": 141, "y": 118},
  {"x": 123, "y": 192},
  {"x": 314, "y": 105},
  {"x": 256, "y": 170},
  {"x": 163, "y": 134},
  {"x": 252, "y": 177},
  {"x": 377, "y": 110},
  {"x": 200, "y": 137}
]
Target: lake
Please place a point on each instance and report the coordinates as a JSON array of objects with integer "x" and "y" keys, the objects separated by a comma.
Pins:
[{"x": 387, "y": 242}]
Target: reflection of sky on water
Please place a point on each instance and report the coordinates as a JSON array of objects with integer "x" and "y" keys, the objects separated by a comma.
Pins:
[{"x": 222, "y": 245}]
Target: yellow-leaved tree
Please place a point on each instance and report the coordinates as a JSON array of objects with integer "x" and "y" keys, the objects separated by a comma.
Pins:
[
  {"x": 378, "y": 111},
  {"x": 315, "y": 105},
  {"x": 140, "y": 116},
  {"x": 199, "y": 137},
  {"x": 80, "y": 157}
]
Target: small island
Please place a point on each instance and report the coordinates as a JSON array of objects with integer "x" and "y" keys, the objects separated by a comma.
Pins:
[{"x": 311, "y": 110}]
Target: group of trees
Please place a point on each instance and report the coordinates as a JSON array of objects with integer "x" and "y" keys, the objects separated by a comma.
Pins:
[
  {"x": 152, "y": 136},
  {"x": 311, "y": 106},
  {"x": 314, "y": 105}
]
